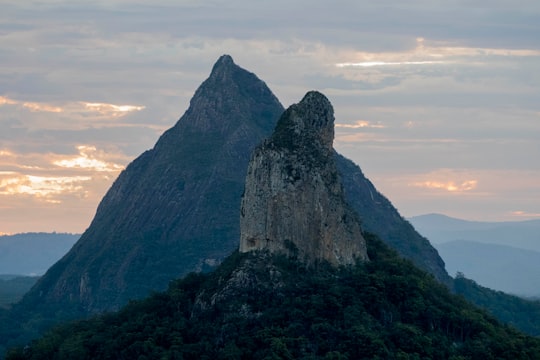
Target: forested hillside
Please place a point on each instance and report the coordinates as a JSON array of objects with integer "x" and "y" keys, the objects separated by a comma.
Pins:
[{"x": 258, "y": 306}]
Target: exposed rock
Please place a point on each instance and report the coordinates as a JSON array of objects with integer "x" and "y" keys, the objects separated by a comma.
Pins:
[{"x": 293, "y": 201}]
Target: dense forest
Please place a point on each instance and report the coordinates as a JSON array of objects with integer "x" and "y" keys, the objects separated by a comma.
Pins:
[
  {"x": 265, "y": 306},
  {"x": 522, "y": 313}
]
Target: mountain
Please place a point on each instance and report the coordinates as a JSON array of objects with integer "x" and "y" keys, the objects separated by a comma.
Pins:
[
  {"x": 440, "y": 228},
  {"x": 504, "y": 268},
  {"x": 293, "y": 200},
  {"x": 33, "y": 253},
  {"x": 269, "y": 301},
  {"x": 174, "y": 209}
]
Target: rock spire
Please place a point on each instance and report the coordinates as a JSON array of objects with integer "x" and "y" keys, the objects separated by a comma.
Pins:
[{"x": 293, "y": 201}]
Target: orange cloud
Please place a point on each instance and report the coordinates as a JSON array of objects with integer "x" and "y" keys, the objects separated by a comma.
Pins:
[
  {"x": 111, "y": 109},
  {"x": 88, "y": 159},
  {"x": 7, "y": 101},
  {"x": 525, "y": 214},
  {"x": 449, "y": 186},
  {"x": 360, "y": 124},
  {"x": 36, "y": 107},
  {"x": 42, "y": 187},
  {"x": 32, "y": 106}
]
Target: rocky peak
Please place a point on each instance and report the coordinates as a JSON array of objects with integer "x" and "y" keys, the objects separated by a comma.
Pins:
[
  {"x": 293, "y": 201},
  {"x": 222, "y": 68},
  {"x": 174, "y": 209},
  {"x": 308, "y": 123}
]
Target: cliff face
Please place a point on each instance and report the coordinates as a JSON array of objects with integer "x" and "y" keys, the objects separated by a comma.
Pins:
[{"x": 293, "y": 201}]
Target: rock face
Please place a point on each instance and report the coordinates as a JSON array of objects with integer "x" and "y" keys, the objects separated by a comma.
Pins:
[
  {"x": 293, "y": 201},
  {"x": 175, "y": 208}
]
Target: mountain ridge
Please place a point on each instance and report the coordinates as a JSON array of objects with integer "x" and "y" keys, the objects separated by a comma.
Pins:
[{"x": 440, "y": 228}]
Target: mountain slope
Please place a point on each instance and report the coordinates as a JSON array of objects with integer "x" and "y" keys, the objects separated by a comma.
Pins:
[
  {"x": 380, "y": 217},
  {"x": 175, "y": 208}
]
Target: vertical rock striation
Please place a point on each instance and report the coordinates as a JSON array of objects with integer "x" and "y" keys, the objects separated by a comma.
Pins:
[{"x": 293, "y": 201}]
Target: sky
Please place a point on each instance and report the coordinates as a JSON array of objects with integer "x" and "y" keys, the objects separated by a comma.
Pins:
[{"x": 437, "y": 101}]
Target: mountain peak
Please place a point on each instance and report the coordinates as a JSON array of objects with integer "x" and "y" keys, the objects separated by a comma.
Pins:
[
  {"x": 174, "y": 209},
  {"x": 224, "y": 60},
  {"x": 293, "y": 200},
  {"x": 306, "y": 124},
  {"x": 223, "y": 68}
]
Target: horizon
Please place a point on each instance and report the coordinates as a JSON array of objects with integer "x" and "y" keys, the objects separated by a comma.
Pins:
[{"x": 438, "y": 105}]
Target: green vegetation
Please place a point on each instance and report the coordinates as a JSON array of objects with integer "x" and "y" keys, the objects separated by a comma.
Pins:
[
  {"x": 383, "y": 309},
  {"x": 521, "y": 313}
]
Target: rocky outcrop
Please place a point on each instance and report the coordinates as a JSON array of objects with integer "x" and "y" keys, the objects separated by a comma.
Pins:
[{"x": 293, "y": 201}]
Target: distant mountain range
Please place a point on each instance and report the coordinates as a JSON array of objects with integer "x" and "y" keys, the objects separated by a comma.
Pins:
[
  {"x": 503, "y": 256},
  {"x": 33, "y": 253},
  {"x": 440, "y": 229}
]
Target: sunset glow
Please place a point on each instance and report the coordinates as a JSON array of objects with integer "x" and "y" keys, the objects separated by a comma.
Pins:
[
  {"x": 87, "y": 160},
  {"x": 43, "y": 187},
  {"x": 111, "y": 109},
  {"x": 450, "y": 186},
  {"x": 360, "y": 124}
]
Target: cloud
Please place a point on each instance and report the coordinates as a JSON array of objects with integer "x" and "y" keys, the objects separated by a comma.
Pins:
[
  {"x": 87, "y": 160},
  {"x": 53, "y": 178},
  {"x": 524, "y": 214},
  {"x": 360, "y": 124},
  {"x": 450, "y": 186},
  {"x": 382, "y": 63},
  {"x": 111, "y": 109},
  {"x": 45, "y": 188}
]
